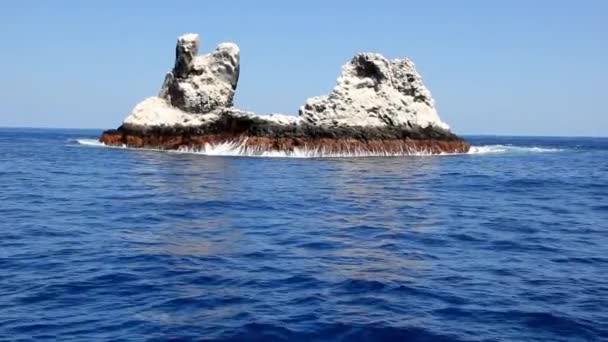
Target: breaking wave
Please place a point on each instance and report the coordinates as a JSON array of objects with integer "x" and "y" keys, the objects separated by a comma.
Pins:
[
  {"x": 89, "y": 142},
  {"x": 489, "y": 149},
  {"x": 237, "y": 149}
]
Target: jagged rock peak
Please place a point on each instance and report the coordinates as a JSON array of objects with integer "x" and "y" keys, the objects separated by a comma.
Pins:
[
  {"x": 375, "y": 91},
  {"x": 378, "y": 107},
  {"x": 202, "y": 83},
  {"x": 371, "y": 91},
  {"x": 185, "y": 51}
]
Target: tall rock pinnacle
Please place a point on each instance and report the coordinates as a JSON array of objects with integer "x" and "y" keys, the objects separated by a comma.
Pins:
[{"x": 200, "y": 84}]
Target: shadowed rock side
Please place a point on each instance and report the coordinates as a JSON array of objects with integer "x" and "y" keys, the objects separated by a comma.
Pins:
[{"x": 378, "y": 107}]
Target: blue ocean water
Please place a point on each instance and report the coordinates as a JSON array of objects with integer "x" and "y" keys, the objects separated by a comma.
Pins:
[{"x": 509, "y": 243}]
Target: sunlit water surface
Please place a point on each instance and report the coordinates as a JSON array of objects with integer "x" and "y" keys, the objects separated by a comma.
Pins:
[{"x": 509, "y": 242}]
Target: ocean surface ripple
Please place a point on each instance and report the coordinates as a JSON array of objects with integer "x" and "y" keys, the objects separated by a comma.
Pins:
[{"x": 508, "y": 243}]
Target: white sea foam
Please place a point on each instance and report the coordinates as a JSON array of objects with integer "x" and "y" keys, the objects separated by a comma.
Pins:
[
  {"x": 241, "y": 149},
  {"x": 491, "y": 149},
  {"x": 90, "y": 142}
]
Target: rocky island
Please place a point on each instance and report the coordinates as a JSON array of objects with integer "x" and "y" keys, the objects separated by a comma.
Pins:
[{"x": 378, "y": 107}]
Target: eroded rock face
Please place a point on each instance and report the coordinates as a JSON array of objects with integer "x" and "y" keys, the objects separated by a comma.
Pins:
[
  {"x": 378, "y": 107},
  {"x": 252, "y": 135},
  {"x": 373, "y": 91},
  {"x": 201, "y": 84}
]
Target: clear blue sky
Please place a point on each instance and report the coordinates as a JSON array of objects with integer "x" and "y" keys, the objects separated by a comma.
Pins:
[{"x": 496, "y": 67}]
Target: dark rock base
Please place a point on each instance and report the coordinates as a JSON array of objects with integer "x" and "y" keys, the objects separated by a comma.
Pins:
[{"x": 256, "y": 137}]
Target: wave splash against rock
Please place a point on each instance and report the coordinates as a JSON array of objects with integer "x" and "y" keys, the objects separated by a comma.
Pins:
[{"x": 378, "y": 107}]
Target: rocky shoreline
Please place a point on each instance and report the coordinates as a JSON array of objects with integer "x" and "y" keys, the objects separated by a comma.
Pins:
[
  {"x": 257, "y": 137},
  {"x": 379, "y": 107}
]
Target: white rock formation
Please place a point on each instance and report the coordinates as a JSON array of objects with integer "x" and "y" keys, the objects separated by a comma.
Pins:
[
  {"x": 156, "y": 111},
  {"x": 373, "y": 91},
  {"x": 201, "y": 84},
  {"x": 281, "y": 119}
]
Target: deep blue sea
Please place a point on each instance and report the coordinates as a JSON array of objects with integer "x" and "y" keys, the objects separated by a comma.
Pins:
[{"x": 509, "y": 243}]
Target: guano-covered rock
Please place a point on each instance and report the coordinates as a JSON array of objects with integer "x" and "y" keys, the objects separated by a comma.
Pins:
[{"x": 378, "y": 107}]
